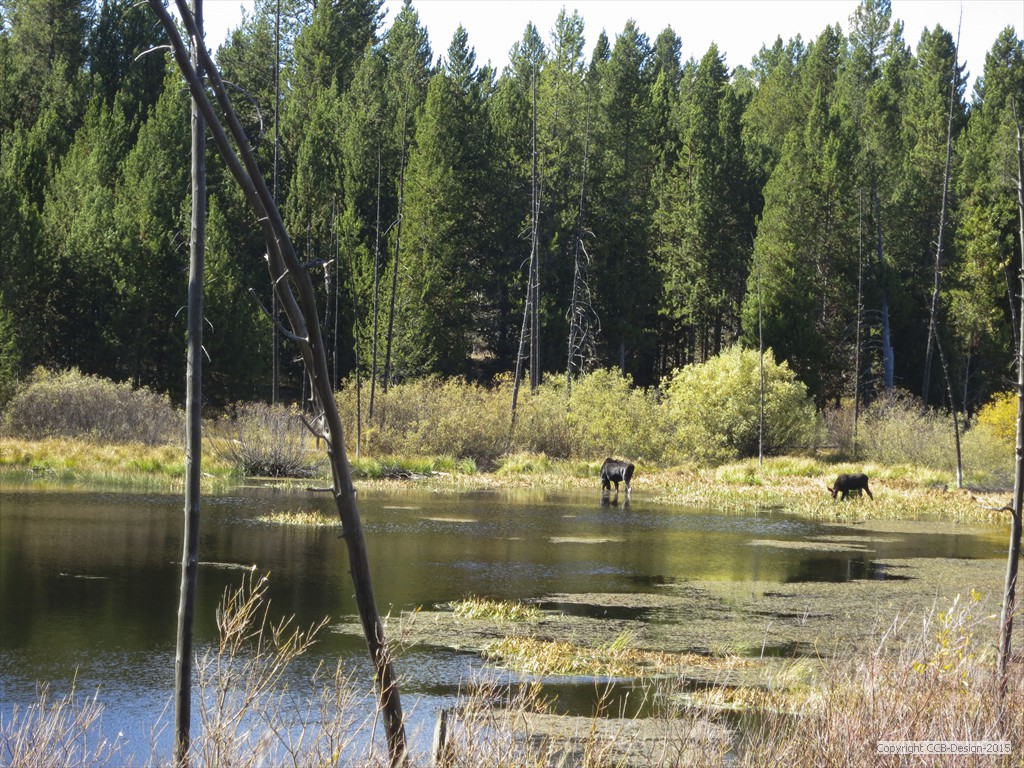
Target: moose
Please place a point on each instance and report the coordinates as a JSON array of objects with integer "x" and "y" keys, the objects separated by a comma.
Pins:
[
  {"x": 847, "y": 484},
  {"x": 615, "y": 471}
]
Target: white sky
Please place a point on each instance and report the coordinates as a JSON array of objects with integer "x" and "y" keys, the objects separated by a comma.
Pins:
[{"x": 739, "y": 27}]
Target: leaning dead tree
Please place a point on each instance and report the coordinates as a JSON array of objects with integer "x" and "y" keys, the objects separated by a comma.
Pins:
[
  {"x": 1010, "y": 590},
  {"x": 294, "y": 289}
]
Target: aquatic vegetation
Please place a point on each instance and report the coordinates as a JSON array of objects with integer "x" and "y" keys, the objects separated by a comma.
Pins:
[
  {"x": 314, "y": 518},
  {"x": 501, "y": 611}
]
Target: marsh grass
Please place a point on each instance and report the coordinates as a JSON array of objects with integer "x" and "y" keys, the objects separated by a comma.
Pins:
[
  {"x": 58, "y": 731},
  {"x": 615, "y": 659},
  {"x": 933, "y": 678},
  {"x": 500, "y": 611},
  {"x": 86, "y": 462},
  {"x": 251, "y": 716},
  {"x": 310, "y": 518}
]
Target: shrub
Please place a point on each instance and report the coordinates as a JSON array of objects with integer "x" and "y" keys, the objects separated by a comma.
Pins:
[
  {"x": 608, "y": 416},
  {"x": 999, "y": 417},
  {"x": 430, "y": 416},
  {"x": 73, "y": 404},
  {"x": 269, "y": 441},
  {"x": 715, "y": 407},
  {"x": 541, "y": 424},
  {"x": 898, "y": 429}
]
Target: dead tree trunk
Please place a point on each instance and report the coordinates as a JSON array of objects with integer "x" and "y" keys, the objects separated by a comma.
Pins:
[
  {"x": 580, "y": 311},
  {"x": 292, "y": 284},
  {"x": 888, "y": 358},
  {"x": 398, "y": 247},
  {"x": 936, "y": 284},
  {"x": 1010, "y": 590},
  {"x": 531, "y": 312},
  {"x": 376, "y": 292},
  {"x": 193, "y": 426}
]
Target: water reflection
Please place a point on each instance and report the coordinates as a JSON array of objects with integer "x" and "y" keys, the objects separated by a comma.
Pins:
[{"x": 88, "y": 581}]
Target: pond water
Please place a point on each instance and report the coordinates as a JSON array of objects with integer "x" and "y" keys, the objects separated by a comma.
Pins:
[{"x": 89, "y": 581}]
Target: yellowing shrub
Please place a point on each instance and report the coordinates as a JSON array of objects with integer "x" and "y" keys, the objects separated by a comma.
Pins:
[{"x": 999, "y": 417}]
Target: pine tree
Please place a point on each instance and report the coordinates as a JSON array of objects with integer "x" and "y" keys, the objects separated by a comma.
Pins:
[
  {"x": 624, "y": 281},
  {"x": 704, "y": 226},
  {"x": 443, "y": 216}
]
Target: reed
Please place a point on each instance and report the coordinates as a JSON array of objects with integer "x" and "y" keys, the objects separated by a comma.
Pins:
[
  {"x": 929, "y": 679},
  {"x": 501, "y": 611}
]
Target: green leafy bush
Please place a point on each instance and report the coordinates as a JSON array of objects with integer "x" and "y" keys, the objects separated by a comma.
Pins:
[
  {"x": 898, "y": 429},
  {"x": 608, "y": 416},
  {"x": 429, "y": 417},
  {"x": 715, "y": 407},
  {"x": 73, "y": 404}
]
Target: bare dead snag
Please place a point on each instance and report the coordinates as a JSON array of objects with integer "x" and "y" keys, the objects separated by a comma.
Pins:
[
  {"x": 1010, "y": 589},
  {"x": 294, "y": 290}
]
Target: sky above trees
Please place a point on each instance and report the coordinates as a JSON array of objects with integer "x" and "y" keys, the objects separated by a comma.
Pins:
[{"x": 738, "y": 27}]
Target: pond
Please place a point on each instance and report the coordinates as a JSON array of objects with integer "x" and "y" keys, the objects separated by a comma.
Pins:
[{"x": 89, "y": 580}]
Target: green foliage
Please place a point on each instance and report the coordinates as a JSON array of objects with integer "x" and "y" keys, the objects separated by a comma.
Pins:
[
  {"x": 715, "y": 407},
  {"x": 10, "y": 362},
  {"x": 840, "y": 140},
  {"x": 608, "y": 416},
  {"x": 431, "y": 417},
  {"x": 72, "y": 404}
]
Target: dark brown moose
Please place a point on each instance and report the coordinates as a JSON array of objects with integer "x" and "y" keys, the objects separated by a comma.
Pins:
[
  {"x": 847, "y": 484},
  {"x": 615, "y": 471}
]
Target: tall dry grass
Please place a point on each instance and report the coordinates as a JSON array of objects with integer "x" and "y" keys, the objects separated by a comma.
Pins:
[{"x": 927, "y": 680}]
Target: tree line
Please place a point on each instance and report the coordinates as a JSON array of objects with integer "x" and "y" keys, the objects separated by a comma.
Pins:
[{"x": 654, "y": 210}]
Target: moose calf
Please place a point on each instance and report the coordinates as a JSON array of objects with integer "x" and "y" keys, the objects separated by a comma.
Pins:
[
  {"x": 846, "y": 484},
  {"x": 614, "y": 471}
]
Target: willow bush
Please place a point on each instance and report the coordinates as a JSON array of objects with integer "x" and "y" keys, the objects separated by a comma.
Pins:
[
  {"x": 707, "y": 413},
  {"x": 897, "y": 429},
  {"x": 73, "y": 404},
  {"x": 715, "y": 407}
]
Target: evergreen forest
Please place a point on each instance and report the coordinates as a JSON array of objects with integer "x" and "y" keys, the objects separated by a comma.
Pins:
[{"x": 843, "y": 201}]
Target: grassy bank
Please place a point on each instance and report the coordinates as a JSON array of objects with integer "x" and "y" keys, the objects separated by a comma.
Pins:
[
  {"x": 795, "y": 484},
  {"x": 86, "y": 463}
]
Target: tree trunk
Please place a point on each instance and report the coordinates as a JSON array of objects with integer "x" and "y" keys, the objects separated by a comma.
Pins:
[
  {"x": 578, "y": 330},
  {"x": 534, "y": 292},
  {"x": 398, "y": 247},
  {"x": 193, "y": 426},
  {"x": 933, "y": 313},
  {"x": 1010, "y": 589},
  {"x": 888, "y": 358},
  {"x": 376, "y": 293},
  {"x": 292, "y": 283}
]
